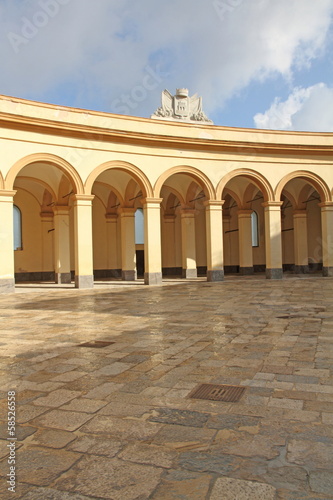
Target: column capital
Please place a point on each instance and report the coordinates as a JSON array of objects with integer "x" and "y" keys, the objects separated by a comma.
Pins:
[
  {"x": 46, "y": 216},
  {"x": 127, "y": 211},
  {"x": 82, "y": 199},
  {"x": 214, "y": 203},
  {"x": 7, "y": 194},
  {"x": 111, "y": 217},
  {"x": 187, "y": 212},
  {"x": 326, "y": 204},
  {"x": 169, "y": 217},
  {"x": 151, "y": 201},
  {"x": 300, "y": 213},
  {"x": 61, "y": 209},
  {"x": 272, "y": 204},
  {"x": 246, "y": 212}
]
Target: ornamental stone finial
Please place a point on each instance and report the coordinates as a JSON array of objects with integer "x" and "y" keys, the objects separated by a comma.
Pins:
[{"x": 181, "y": 107}]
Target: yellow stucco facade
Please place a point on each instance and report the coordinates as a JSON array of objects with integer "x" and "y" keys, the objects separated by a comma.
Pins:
[{"x": 214, "y": 199}]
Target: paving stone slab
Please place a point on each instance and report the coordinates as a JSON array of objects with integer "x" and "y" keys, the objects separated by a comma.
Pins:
[
  {"x": 96, "y": 445},
  {"x": 182, "y": 484},
  {"x": 236, "y": 489},
  {"x": 180, "y": 417},
  {"x": 321, "y": 481},
  {"x": 39, "y": 466},
  {"x": 106, "y": 478}
]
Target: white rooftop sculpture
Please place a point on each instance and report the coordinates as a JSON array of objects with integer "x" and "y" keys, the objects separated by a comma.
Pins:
[{"x": 181, "y": 107}]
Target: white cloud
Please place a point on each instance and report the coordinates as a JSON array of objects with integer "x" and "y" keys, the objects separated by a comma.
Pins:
[
  {"x": 307, "y": 109},
  {"x": 102, "y": 49}
]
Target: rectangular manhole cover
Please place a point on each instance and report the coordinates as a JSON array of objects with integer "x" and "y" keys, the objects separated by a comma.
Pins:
[
  {"x": 98, "y": 344},
  {"x": 213, "y": 392}
]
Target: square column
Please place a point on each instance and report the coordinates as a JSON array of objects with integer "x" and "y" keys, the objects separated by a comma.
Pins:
[
  {"x": 83, "y": 241},
  {"x": 273, "y": 240},
  {"x": 169, "y": 260},
  {"x": 112, "y": 242},
  {"x": 7, "y": 269},
  {"x": 214, "y": 237},
  {"x": 189, "y": 258},
  {"x": 245, "y": 242},
  {"x": 47, "y": 246},
  {"x": 301, "y": 241},
  {"x": 327, "y": 237},
  {"x": 62, "y": 265},
  {"x": 128, "y": 256},
  {"x": 152, "y": 248}
]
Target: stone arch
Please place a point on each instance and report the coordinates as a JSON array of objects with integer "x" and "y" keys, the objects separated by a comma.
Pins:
[
  {"x": 112, "y": 201},
  {"x": 313, "y": 179},
  {"x": 50, "y": 159},
  {"x": 291, "y": 198},
  {"x": 258, "y": 180},
  {"x": 234, "y": 196},
  {"x": 196, "y": 174},
  {"x": 130, "y": 193},
  {"x": 139, "y": 176}
]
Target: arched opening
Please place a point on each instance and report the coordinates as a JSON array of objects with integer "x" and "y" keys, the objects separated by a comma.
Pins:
[
  {"x": 139, "y": 242},
  {"x": 18, "y": 245},
  {"x": 43, "y": 221},
  {"x": 118, "y": 223},
  {"x": 244, "y": 225},
  {"x": 301, "y": 227},
  {"x": 183, "y": 224}
]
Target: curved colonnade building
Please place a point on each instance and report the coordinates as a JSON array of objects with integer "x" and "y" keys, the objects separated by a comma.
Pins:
[{"x": 214, "y": 199}]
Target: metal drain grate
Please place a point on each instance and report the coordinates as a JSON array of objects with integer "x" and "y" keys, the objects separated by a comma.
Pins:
[
  {"x": 98, "y": 344},
  {"x": 226, "y": 393}
]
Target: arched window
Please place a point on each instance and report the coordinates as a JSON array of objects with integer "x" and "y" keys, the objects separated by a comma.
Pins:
[
  {"x": 139, "y": 227},
  {"x": 255, "y": 229},
  {"x": 17, "y": 228}
]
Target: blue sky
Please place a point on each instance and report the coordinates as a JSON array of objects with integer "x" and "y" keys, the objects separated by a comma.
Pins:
[{"x": 256, "y": 63}]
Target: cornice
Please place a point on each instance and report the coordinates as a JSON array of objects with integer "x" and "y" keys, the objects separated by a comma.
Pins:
[{"x": 157, "y": 140}]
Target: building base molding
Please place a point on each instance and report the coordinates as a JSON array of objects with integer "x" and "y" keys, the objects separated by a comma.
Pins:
[
  {"x": 274, "y": 274},
  {"x": 35, "y": 276},
  {"x": 327, "y": 272},
  {"x": 62, "y": 278},
  {"x": 153, "y": 278},
  {"x": 189, "y": 273},
  {"x": 301, "y": 269},
  {"x": 107, "y": 273},
  {"x": 246, "y": 271},
  {"x": 128, "y": 275},
  {"x": 84, "y": 282},
  {"x": 172, "y": 271},
  {"x": 215, "y": 275},
  {"x": 7, "y": 286}
]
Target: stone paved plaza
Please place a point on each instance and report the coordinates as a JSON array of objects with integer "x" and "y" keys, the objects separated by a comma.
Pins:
[{"x": 117, "y": 422}]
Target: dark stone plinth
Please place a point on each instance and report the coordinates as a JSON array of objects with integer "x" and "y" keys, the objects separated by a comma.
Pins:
[
  {"x": 189, "y": 273},
  {"x": 215, "y": 275},
  {"x": 301, "y": 269},
  {"x": 246, "y": 271},
  {"x": 84, "y": 282},
  {"x": 7, "y": 286},
  {"x": 128, "y": 275},
  {"x": 62, "y": 278},
  {"x": 274, "y": 274},
  {"x": 153, "y": 278},
  {"x": 327, "y": 272}
]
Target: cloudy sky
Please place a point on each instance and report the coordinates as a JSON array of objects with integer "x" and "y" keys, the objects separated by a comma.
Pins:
[{"x": 256, "y": 63}]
